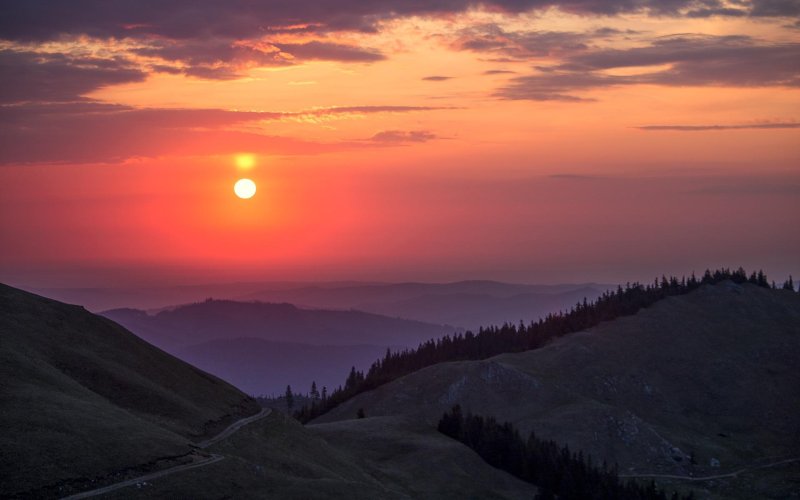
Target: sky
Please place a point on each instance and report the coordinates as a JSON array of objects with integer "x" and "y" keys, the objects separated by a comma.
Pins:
[{"x": 397, "y": 140}]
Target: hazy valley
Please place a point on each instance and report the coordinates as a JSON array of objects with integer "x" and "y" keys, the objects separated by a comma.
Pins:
[{"x": 261, "y": 347}]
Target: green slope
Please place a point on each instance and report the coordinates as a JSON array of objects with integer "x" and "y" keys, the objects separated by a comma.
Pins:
[
  {"x": 359, "y": 459},
  {"x": 712, "y": 373},
  {"x": 418, "y": 461},
  {"x": 82, "y": 398}
]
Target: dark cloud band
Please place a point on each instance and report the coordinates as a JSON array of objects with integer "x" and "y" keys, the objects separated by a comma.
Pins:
[
  {"x": 237, "y": 19},
  {"x": 727, "y": 61}
]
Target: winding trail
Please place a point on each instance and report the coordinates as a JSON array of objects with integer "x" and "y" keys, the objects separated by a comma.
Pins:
[
  {"x": 717, "y": 476},
  {"x": 214, "y": 458},
  {"x": 235, "y": 427}
]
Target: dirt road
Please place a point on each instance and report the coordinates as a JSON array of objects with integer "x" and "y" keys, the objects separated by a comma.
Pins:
[
  {"x": 717, "y": 476},
  {"x": 178, "y": 468}
]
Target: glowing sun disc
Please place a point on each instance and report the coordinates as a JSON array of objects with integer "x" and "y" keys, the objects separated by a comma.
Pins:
[{"x": 244, "y": 188}]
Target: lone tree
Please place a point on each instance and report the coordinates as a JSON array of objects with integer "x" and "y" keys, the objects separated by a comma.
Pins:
[
  {"x": 289, "y": 398},
  {"x": 360, "y": 413},
  {"x": 314, "y": 391}
]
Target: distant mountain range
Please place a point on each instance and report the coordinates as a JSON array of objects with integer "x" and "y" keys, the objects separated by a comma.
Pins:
[
  {"x": 261, "y": 347},
  {"x": 225, "y": 319},
  {"x": 102, "y": 298},
  {"x": 465, "y": 304}
]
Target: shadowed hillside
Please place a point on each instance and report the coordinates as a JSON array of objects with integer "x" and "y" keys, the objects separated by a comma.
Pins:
[
  {"x": 363, "y": 459},
  {"x": 695, "y": 384},
  {"x": 83, "y": 398}
]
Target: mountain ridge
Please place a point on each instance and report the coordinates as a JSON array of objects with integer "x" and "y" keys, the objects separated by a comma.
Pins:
[
  {"x": 609, "y": 392},
  {"x": 210, "y": 335}
]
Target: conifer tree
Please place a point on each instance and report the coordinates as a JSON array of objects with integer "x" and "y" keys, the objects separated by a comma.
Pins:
[
  {"x": 289, "y": 398},
  {"x": 493, "y": 340},
  {"x": 556, "y": 471},
  {"x": 314, "y": 391}
]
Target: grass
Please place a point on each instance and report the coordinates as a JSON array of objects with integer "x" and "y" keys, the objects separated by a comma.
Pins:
[
  {"x": 83, "y": 399},
  {"x": 360, "y": 459},
  {"x": 419, "y": 461},
  {"x": 712, "y": 372}
]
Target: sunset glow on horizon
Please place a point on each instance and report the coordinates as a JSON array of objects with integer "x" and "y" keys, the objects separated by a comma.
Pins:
[{"x": 511, "y": 140}]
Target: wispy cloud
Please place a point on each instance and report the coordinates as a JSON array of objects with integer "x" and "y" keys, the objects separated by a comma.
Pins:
[
  {"x": 702, "y": 128},
  {"x": 403, "y": 136},
  {"x": 499, "y": 72},
  {"x": 577, "y": 177},
  {"x": 88, "y": 131}
]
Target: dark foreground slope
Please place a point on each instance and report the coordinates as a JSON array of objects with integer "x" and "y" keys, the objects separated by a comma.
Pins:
[
  {"x": 85, "y": 404},
  {"x": 82, "y": 398},
  {"x": 359, "y": 459},
  {"x": 710, "y": 377}
]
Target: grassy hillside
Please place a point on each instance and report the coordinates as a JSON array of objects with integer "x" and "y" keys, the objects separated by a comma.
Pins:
[
  {"x": 711, "y": 375},
  {"x": 364, "y": 459},
  {"x": 84, "y": 398},
  {"x": 419, "y": 461}
]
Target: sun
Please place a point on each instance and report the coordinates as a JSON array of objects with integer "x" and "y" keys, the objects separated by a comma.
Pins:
[{"x": 244, "y": 188}]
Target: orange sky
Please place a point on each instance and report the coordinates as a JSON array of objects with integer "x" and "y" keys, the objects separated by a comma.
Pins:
[{"x": 512, "y": 141}]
